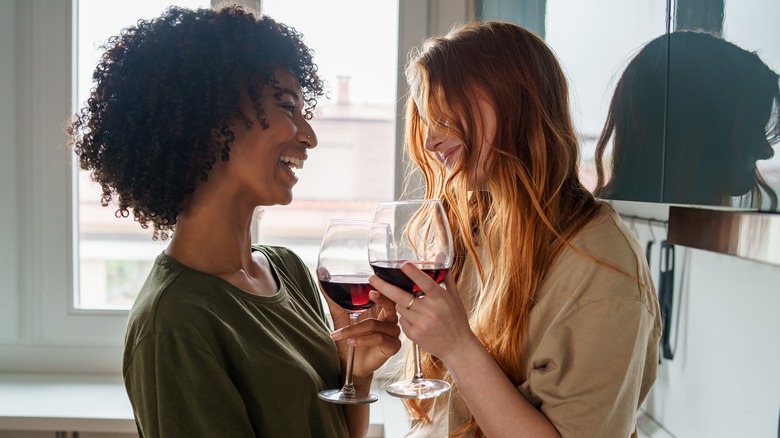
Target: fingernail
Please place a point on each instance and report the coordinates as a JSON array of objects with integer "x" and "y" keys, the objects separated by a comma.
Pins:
[
  {"x": 350, "y": 341},
  {"x": 336, "y": 335}
]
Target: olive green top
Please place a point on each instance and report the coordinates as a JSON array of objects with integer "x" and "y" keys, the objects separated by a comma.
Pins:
[{"x": 205, "y": 359}]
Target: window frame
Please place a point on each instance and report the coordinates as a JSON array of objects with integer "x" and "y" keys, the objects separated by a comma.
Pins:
[{"x": 40, "y": 328}]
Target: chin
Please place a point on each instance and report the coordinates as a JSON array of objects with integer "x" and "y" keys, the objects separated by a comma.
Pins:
[
  {"x": 743, "y": 184},
  {"x": 286, "y": 200},
  {"x": 280, "y": 200}
]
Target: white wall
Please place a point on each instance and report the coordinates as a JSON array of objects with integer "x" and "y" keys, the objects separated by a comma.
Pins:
[
  {"x": 9, "y": 243},
  {"x": 724, "y": 380}
]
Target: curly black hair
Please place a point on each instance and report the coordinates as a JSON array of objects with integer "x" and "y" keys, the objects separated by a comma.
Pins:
[{"x": 165, "y": 93}]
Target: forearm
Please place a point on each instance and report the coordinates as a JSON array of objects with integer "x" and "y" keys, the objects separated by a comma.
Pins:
[
  {"x": 357, "y": 416},
  {"x": 497, "y": 405}
]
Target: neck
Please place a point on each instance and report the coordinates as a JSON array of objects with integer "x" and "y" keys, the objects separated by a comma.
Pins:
[{"x": 213, "y": 238}]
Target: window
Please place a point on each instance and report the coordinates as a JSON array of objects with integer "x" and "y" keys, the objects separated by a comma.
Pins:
[
  {"x": 114, "y": 254},
  {"x": 350, "y": 170},
  {"x": 353, "y": 166},
  {"x": 594, "y": 60},
  {"x": 46, "y": 323}
]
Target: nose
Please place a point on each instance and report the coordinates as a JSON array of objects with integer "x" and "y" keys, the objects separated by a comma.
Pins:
[
  {"x": 432, "y": 140},
  {"x": 767, "y": 151},
  {"x": 310, "y": 142},
  {"x": 307, "y": 136}
]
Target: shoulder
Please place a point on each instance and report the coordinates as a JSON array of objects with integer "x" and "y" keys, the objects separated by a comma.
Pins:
[
  {"x": 608, "y": 238},
  {"x": 293, "y": 272},
  {"x": 604, "y": 263},
  {"x": 178, "y": 301},
  {"x": 282, "y": 257},
  {"x": 172, "y": 304}
]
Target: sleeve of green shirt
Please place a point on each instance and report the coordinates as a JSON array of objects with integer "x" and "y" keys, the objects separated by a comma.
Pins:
[{"x": 190, "y": 394}]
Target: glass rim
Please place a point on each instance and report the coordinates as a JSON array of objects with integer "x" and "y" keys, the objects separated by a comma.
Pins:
[
  {"x": 411, "y": 201},
  {"x": 349, "y": 221}
]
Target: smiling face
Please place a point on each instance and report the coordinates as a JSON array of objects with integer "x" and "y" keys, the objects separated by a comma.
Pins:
[
  {"x": 448, "y": 148},
  {"x": 263, "y": 161}
]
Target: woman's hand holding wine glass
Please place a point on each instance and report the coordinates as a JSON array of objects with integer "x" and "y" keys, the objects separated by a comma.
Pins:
[
  {"x": 343, "y": 271},
  {"x": 375, "y": 335},
  {"x": 411, "y": 250},
  {"x": 439, "y": 322}
]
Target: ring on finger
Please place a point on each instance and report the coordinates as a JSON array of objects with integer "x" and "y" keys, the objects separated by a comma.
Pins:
[{"x": 409, "y": 306}]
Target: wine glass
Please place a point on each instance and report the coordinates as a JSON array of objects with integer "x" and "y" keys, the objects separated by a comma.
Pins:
[
  {"x": 414, "y": 231},
  {"x": 343, "y": 271}
]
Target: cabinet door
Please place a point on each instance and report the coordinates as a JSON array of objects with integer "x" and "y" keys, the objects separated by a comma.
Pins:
[
  {"x": 595, "y": 40},
  {"x": 722, "y": 104},
  {"x": 679, "y": 105}
]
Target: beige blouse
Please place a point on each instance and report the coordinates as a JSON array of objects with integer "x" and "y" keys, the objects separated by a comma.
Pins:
[{"x": 592, "y": 350}]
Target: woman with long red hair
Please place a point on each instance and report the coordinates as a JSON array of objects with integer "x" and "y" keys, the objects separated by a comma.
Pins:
[{"x": 548, "y": 323}]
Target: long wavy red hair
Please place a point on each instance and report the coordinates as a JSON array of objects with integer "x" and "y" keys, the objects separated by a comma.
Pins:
[{"x": 532, "y": 201}]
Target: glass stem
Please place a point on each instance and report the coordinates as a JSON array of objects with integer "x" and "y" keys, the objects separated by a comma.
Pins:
[
  {"x": 418, "y": 375},
  {"x": 349, "y": 388}
]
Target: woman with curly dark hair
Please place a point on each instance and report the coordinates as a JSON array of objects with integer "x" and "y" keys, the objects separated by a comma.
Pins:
[{"x": 196, "y": 118}]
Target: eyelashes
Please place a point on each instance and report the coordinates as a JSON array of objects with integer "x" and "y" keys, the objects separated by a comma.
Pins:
[{"x": 289, "y": 107}]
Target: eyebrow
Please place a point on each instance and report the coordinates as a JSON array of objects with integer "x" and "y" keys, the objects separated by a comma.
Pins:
[{"x": 289, "y": 91}]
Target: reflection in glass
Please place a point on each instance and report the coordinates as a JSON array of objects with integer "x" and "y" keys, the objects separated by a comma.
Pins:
[
  {"x": 594, "y": 40},
  {"x": 698, "y": 110}
]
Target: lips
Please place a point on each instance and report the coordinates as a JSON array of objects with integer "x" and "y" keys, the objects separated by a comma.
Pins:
[
  {"x": 292, "y": 162},
  {"x": 449, "y": 156}
]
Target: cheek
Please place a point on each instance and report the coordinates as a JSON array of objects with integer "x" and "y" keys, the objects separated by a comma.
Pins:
[
  {"x": 280, "y": 126},
  {"x": 480, "y": 169}
]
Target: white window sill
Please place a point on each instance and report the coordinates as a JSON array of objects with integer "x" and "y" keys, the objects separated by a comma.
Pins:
[
  {"x": 99, "y": 404},
  {"x": 44, "y": 402}
]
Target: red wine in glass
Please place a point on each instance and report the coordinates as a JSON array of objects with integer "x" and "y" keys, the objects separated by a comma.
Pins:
[
  {"x": 390, "y": 271},
  {"x": 348, "y": 291},
  {"x": 411, "y": 231},
  {"x": 343, "y": 271}
]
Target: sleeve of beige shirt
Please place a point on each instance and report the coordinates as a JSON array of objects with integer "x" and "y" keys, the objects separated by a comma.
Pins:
[{"x": 587, "y": 375}]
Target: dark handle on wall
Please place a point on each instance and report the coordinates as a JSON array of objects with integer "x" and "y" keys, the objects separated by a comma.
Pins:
[
  {"x": 649, "y": 250},
  {"x": 666, "y": 297}
]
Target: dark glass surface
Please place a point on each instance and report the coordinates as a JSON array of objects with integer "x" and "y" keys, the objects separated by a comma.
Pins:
[{"x": 679, "y": 106}]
